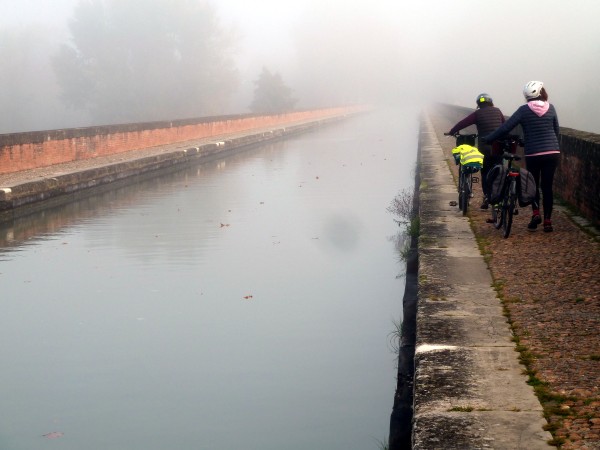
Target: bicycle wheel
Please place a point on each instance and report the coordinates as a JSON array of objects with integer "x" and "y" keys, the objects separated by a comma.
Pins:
[
  {"x": 460, "y": 187},
  {"x": 497, "y": 216},
  {"x": 465, "y": 193},
  {"x": 510, "y": 209}
]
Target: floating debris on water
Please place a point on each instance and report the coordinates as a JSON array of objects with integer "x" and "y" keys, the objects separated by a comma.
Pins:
[{"x": 53, "y": 435}]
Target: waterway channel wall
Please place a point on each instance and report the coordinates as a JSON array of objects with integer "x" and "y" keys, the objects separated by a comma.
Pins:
[
  {"x": 46, "y": 183},
  {"x": 31, "y": 150}
]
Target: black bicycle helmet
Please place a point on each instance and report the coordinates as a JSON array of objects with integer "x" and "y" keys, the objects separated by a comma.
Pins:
[{"x": 483, "y": 98}]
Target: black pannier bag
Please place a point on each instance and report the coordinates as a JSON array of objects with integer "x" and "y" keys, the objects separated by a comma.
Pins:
[
  {"x": 526, "y": 188},
  {"x": 495, "y": 180}
]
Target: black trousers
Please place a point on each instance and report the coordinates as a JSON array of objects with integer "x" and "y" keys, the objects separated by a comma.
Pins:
[{"x": 543, "y": 168}]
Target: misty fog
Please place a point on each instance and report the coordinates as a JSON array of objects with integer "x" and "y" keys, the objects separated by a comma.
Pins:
[{"x": 70, "y": 63}]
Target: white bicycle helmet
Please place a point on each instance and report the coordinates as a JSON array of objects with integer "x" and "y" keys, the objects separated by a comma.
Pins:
[{"x": 533, "y": 89}]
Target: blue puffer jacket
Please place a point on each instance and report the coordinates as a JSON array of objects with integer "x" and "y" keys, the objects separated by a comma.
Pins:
[{"x": 540, "y": 132}]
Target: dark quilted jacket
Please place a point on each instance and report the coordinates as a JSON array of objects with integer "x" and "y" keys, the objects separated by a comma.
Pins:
[
  {"x": 541, "y": 133},
  {"x": 487, "y": 119}
]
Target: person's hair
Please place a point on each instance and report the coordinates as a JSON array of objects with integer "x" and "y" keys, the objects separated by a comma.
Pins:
[{"x": 543, "y": 96}]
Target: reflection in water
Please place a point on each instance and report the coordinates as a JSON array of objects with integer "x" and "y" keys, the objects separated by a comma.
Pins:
[{"x": 241, "y": 303}]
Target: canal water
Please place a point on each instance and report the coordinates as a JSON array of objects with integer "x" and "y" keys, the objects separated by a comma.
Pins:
[{"x": 244, "y": 303}]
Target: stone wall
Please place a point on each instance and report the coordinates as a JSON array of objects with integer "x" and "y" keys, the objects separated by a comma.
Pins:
[
  {"x": 31, "y": 150},
  {"x": 577, "y": 180}
]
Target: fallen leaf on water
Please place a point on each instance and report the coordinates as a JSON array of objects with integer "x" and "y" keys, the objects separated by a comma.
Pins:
[{"x": 53, "y": 435}]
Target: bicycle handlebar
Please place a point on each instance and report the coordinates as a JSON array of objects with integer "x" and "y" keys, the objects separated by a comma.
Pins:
[
  {"x": 508, "y": 156},
  {"x": 512, "y": 139},
  {"x": 458, "y": 134}
]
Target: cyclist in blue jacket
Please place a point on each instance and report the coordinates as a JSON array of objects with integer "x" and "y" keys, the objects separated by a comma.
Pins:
[{"x": 539, "y": 121}]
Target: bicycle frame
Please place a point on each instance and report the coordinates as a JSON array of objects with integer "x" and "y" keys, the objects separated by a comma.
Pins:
[
  {"x": 465, "y": 176},
  {"x": 503, "y": 212}
]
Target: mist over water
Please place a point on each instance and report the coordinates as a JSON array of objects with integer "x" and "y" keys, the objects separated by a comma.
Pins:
[
  {"x": 242, "y": 303},
  {"x": 327, "y": 52}
]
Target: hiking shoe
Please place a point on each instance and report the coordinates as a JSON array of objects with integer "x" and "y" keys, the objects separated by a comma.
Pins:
[
  {"x": 535, "y": 221},
  {"x": 485, "y": 203},
  {"x": 548, "y": 226}
]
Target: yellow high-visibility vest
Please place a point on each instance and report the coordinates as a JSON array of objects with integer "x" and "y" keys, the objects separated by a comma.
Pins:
[{"x": 468, "y": 155}]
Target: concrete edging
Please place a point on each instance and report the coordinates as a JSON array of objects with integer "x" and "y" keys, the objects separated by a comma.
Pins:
[{"x": 470, "y": 390}]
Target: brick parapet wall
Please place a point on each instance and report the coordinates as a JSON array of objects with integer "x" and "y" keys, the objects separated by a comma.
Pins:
[
  {"x": 22, "y": 151},
  {"x": 577, "y": 179}
]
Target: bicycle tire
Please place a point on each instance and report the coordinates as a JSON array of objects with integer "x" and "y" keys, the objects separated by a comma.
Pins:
[
  {"x": 460, "y": 184},
  {"x": 497, "y": 215},
  {"x": 465, "y": 194},
  {"x": 510, "y": 209},
  {"x": 498, "y": 211},
  {"x": 469, "y": 189}
]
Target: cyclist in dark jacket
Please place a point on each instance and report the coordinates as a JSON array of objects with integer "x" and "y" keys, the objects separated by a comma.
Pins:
[
  {"x": 542, "y": 153},
  {"x": 487, "y": 118}
]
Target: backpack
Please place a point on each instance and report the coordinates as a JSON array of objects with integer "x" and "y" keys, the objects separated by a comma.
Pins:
[
  {"x": 495, "y": 180},
  {"x": 526, "y": 188}
]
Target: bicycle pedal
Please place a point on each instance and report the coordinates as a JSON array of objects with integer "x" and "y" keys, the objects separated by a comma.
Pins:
[{"x": 475, "y": 179}]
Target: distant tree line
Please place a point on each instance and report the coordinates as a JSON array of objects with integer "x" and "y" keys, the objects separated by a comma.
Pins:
[
  {"x": 126, "y": 61},
  {"x": 142, "y": 60}
]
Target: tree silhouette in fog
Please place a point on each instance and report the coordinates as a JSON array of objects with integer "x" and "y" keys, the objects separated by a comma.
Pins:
[
  {"x": 28, "y": 88},
  {"x": 142, "y": 60},
  {"x": 271, "y": 95}
]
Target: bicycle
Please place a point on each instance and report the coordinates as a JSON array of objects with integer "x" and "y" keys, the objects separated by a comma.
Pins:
[
  {"x": 504, "y": 210},
  {"x": 465, "y": 172}
]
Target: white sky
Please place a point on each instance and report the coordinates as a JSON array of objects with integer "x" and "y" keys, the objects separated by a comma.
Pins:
[{"x": 451, "y": 49}]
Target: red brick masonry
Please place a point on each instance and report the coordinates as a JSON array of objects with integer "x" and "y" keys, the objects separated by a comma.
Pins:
[{"x": 31, "y": 150}]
